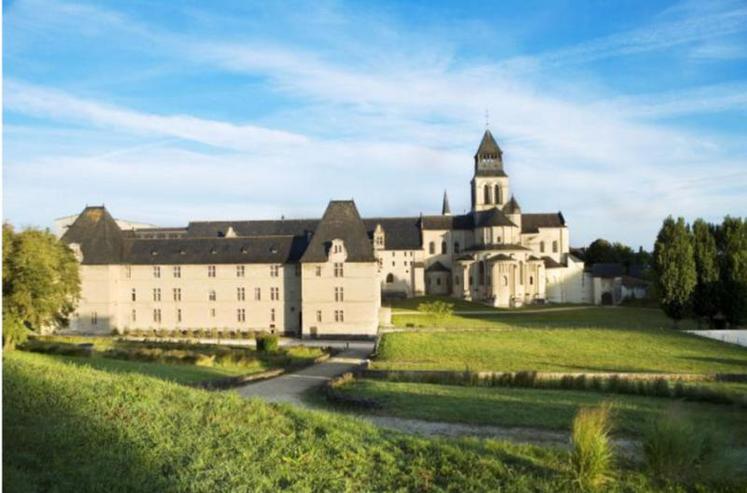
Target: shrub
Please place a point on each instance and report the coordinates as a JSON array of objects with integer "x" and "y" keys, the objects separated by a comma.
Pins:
[
  {"x": 660, "y": 387},
  {"x": 268, "y": 343},
  {"x": 677, "y": 450},
  {"x": 591, "y": 456},
  {"x": 440, "y": 310},
  {"x": 61, "y": 348}
]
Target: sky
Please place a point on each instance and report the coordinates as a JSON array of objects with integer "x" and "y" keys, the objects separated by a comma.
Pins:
[{"x": 615, "y": 113}]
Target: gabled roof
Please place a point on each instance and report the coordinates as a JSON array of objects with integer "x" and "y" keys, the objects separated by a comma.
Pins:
[
  {"x": 437, "y": 267},
  {"x": 400, "y": 233},
  {"x": 550, "y": 263},
  {"x": 340, "y": 221},
  {"x": 100, "y": 239},
  {"x": 530, "y": 223},
  {"x": 461, "y": 222},
  {"x": 492, "y": 217},
  {"x": 512, "y": 206},
  {"x": 488, "y": 145}
]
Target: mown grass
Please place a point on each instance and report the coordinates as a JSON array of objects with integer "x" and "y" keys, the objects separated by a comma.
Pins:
[
  {"x": 71, "y": 428},
  {"x": 534, "y": 408},
  {"x": 408, "y": 304},
  {"x": 593, "y": 339}
]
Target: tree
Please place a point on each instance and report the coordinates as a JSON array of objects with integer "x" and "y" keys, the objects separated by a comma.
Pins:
[
  {"x": 733, "y": 245},
  {"x": 41, "y": 283},
  {"x": 674, "y": 268},
  {"x": 705, "y": 300}
]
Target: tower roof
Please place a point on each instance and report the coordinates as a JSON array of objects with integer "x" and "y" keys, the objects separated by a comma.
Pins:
[
  {"x": 100, "y": 239},
  {"x": 512, "y": 206},
  {"x": 445, "y": 209},
  {"x": 340, "y": 221},
  {"x": 488, "y": 145}
]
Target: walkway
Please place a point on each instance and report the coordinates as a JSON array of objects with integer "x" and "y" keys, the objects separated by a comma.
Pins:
[{"x": 292, "y": 386}]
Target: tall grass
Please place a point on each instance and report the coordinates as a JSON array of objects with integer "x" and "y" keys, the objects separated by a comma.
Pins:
[
  {"x": 676, "y": 449},
  {"x": 591, "y": 455}
]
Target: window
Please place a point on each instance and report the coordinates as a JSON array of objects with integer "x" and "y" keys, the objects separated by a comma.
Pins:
[
  {"x": 240, "y": 295},
  {"x": 339, "y": 294},
  {"x": 394, "y": 263},
  {"x": 211, "y": 271},
  {"x": 133, "y": 316},
  {"x": 177, "y": 294},
  {"x": 177, "y": 271},
  {"x": 432, "y": 248},
  {"x": 379, "y": 241},
  {"x": 498, "y": 195},
  {"x": 444, "y": 248},
  {"x": 239, "y": 271},
  {"x": 521, "y": 273},
  {"x": 94, "y": 318},
  {"x": 555, "y": 247},
  {"x": 337, "y": 248},
  {"x": 179, "y": 315},
  {"x": 272, "y": 315},
  {"x": 212, "y": 312},
  {"x": 257, "y": 294},
  {"x": 156, "y": 294},
  {"x": 339, "y": 316},
  {"x": 487, "y": 194},
  {"x": 157, "y": 271},
  {"x": 211, "y": 295},
  {"x": 470, "y": 281},
  {"x": 542, "y": 247},
  {"x": 531, "y": 280},
  {"x": 274, "y": 294},
  {"x": 390, "y": 278},
  {"x": 481, "y": 273},
  {"x": 438, "y": 281},
  {"x": 456, "y": 247},
  {"x": 134, "y": 295},
  {"x": 157, "y": 315},
  {"x": 240, "y": 315},
  {"x": 318, "y": 271},
  {"x": 338, "y": 270},
  {"x": 318, "y": 315},
  {"x": 273, "y": 271},
  {"x": 128, "y": 271},
  {"x": 505, "y": 280}
]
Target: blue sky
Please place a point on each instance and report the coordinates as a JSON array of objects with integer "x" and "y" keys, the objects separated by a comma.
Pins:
[{"x": 615, "y": 113}]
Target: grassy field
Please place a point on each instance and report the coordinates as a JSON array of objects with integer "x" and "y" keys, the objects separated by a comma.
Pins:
[
  {"x": 71, "y": 428},
  {"x": 548, "y": 409},
  {"x": 181, "y": 372},
  {"x": 589, "y": 340},
  {"x": 409, "y": 304}
]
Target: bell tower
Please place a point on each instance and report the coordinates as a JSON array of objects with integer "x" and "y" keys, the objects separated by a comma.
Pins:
[{"x": 490, "y": 183}]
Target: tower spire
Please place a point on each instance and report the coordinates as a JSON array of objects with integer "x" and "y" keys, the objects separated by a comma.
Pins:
[{"x": 445, "y": 209}]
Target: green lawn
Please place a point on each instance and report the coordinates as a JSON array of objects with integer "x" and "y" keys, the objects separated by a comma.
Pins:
[
  {"x": 590, "y": 340},
  {"x": 549, "y": 409},
  {"x": 69, "y": 428},
  {"x": 408, "y": 304}
]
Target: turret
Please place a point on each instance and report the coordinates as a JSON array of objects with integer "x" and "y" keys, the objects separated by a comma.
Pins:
[
  {"x": 490, "y": 183},
  {"x": 513, "y": 211}
]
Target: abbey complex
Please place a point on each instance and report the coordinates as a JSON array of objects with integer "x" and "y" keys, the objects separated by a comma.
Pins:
[{"x": 322, "y": 277}]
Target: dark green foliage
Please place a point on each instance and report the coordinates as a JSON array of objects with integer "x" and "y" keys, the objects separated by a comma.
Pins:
[
  {"x": 602, "y": 251},
  {"x": 674, "y": 267},
  {"x": 708, "y": 288},
  {"x": 732, "y": 240},
  {"x": 267, "y": 343},
  {"x": 591, "y": 454},
  {"x": 40, "y": 282},
  {"x": 60, "y": 348}
]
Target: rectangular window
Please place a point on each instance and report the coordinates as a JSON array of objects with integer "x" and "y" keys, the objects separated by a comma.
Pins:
[
  {"x": 212, "y": 312},
  {"x": 157, "y": 315},
  {"x": 239, "y": 271},
  {"x": 274, "y": 294},
  {"x": 134, "y": 295},
  {"x": 157, "y": 271},
  {"x": 211, "y": 295},
  {"x": 339, "y": 316},
  {"x": 211, "y": 271},
  {"x": 177, "y": 294},
  {"x": 240, "y": 294},
  {"x": 554, "y": 247},
  {"x": 338, "y": 269},
  {"x": 156, "y": 294},
  {"x": 258, "y": 294},
  {"x": 318, "y": 315},
  {"x": 94, "y": 318},
  {"x": 339, "y": 296},
  {"x": 179, "y": 315},
  {"x": 134, "y": 316},
  {"x": 272, "y": 315},
  {"x": 241, "y": 315},
  {"x": 177, "y": 271},
  {"x": 274, "y": 270},
  {"x": 318, "y": 271}
]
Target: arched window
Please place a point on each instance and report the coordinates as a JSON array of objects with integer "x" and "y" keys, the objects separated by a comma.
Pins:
[
  {"x": 505, "y": 280},
  {"x": 487, "y": 194},
  {"x": 498, "y": 195},
  {"x": 444, "y": 248},
  {"x": 456, "y": 247},
  {"x": 432, "y": 248},
  {"x": 542, "y": 247},
  {"x": 555, "y": 246},
  {"x": 481, "y": 273},
  {"x": 389, "y": 278},
  {"x": 521, "y": 273},
  {"x": 531, "y": 280}
]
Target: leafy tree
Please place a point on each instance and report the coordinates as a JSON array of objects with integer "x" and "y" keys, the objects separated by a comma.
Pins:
[
  {"x": 602, "y": 251},
  {"x": 674, "y": 267},
  {"x": 706, "y": 294},
  {"x": 733, "y": 245},
  {"x": 41, "y": 283}
]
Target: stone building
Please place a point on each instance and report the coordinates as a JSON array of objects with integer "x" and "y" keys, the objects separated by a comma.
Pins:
[{"x": 321, "y": 277}]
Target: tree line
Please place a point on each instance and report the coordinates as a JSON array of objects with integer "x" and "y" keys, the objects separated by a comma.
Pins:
[
  {"x": 700, "y": 270},
  {"x": 41, "y": 283}
]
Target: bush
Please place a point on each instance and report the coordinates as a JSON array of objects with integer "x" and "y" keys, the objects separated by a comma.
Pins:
[
  {"x": 440, "y": 310},
  {"x": 61, "y": 348},
  {"x": 591, "y": 456},
  {"x": 677, "y": 450},
  {"x": 268, "y": 343}
]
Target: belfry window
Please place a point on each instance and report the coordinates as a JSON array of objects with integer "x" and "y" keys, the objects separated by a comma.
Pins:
[
  {"x": 487, "y": 194},
  {"x": 444, "y": 248},
  {"x": 498, "y": 194}
]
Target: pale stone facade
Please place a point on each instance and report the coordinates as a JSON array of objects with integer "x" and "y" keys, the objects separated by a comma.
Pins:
[{"x": 325, "y": 277}]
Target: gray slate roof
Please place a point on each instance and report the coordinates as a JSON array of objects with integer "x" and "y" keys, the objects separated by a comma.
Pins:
[
  {"x": 100, "y": 239},
  {"x": 400, "y": 233},
  {"x": 488, "y": 145},
  {"x": 512, "y": 206},
  {"x": 340, "y": 221},
  {"x": 437, "y": 267},
  {"x": 530, "y": 223},
  {"x": 492, "y": 217}
]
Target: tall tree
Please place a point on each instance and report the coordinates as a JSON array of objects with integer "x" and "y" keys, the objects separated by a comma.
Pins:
[
  {"x": 733, "y": 243},
  {"x": 707, "y": 290},
  {"x": 674, "y": 267},
  {"x": 40, "y": 282}
]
